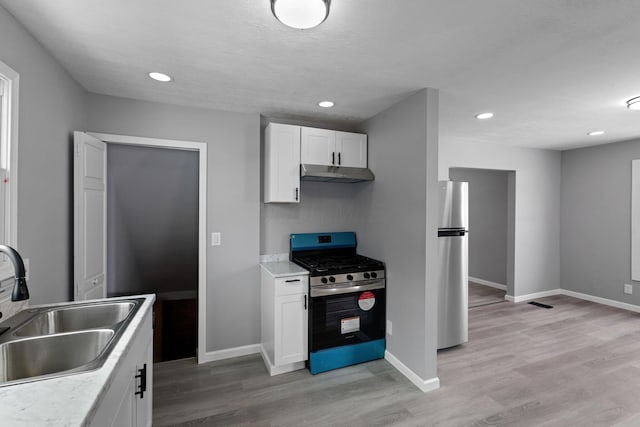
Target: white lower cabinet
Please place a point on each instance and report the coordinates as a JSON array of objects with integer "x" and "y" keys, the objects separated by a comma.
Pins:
[
  {"x": 128, "y": 400},
  {"x": 284, "y": 317}
]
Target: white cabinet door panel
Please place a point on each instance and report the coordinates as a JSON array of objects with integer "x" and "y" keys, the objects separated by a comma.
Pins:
[
  {"x": 282, "y": 164},
  {"x": 291, "y": 345},
  {"x": 318, "y": 146},
  {"x": 352, "y": 148}
]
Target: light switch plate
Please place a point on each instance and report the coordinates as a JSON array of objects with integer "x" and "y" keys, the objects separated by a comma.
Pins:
[{"x": 628, "y": 289}]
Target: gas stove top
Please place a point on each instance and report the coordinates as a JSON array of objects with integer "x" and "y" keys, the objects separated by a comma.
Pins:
[
  {"x": 331, "y": 259},
  {"x": 337, "y": 264}
]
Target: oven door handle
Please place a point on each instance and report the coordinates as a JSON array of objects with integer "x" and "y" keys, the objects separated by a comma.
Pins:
[{"x": 337, "y": 290}]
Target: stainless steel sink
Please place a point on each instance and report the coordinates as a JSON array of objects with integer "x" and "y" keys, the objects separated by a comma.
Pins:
[
  {"x": 46, "y": 342},
  {"x": 32, "y": 357},
  {"x": 76, "y": 318}
]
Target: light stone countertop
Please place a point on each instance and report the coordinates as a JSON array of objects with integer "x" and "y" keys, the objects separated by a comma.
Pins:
[
  {"x": 69, "y": 400},
  {"x": 283, "y": 268}
]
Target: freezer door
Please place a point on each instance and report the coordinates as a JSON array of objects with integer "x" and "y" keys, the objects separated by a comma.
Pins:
[
  {"x": 454, "y": 205},
  {"x": 453, "y": 291}
]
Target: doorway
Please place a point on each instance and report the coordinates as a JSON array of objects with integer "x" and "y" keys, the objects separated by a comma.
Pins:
[
  {"x": 152, "y": 239},
  {"x": 144, "y": 230},
  {"x": 491, "y": 233}
]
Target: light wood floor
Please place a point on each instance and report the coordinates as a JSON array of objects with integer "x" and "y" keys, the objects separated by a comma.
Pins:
[
  {"x": 483, "y": 295},
  {"x": 577, "y": 364}
]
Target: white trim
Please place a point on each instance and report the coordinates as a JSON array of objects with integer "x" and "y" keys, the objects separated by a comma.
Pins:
[
  {"x": 282, "y": 369},
  {"x": 488, "y": 283},
  {"x": 13, "y": 112},
  {"x": 600, "y": 300},
  {"x": 229, "y": 353},
  {"x": 534, "y": 295},
  {"x": 201, "y": 147},
  {"x": 424, "y": 385}
]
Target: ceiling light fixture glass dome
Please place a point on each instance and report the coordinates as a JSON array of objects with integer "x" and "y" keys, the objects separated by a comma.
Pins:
[
  {"x": 301, "y": 14},
  {"x": 634, "y": 103}
]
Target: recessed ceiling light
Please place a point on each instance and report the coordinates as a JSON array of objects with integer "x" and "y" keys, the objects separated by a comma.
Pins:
[
  {"x": 596, "y": 133},
  {"x": 483, "y": 116},
  {"x": 161, "y": 77},
  {"x": 634, "y": 103},
  {"x": 326, "y": 104}
]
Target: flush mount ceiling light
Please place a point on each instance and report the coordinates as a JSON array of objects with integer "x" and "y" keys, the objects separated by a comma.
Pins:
[
  {"x": 596, "y": 133},
  {"x": 484, "y": 116},
  {"x": 634, "y": 103},
  {"x": 326, "y": 104},
  {"x": 301, "y": 14},
  {"x": 161, "y": 77}
]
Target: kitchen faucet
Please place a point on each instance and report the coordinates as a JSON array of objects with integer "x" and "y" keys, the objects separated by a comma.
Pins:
[{"x": 20, "y": 290}]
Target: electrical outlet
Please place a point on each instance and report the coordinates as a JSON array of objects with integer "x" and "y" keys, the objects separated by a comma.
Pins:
[
  {"x": 389, "y": 327},
  {"x": 215, "y": 239},
  {"x": 628, "y": 289}
]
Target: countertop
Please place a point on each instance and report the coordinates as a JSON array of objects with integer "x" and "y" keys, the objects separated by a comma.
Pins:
[
  {"x": 283, "y": 268},
  {"x": 70, "y": 400}
]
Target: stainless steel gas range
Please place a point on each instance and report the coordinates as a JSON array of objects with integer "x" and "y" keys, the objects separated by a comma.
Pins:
[{"x": 347, "y": 303}]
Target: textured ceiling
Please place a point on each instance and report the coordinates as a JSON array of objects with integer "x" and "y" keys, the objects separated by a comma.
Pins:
[{"x": 551, "y": 70}]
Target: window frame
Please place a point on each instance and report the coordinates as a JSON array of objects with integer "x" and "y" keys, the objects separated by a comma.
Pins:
[{"x": 9, "y": 123}]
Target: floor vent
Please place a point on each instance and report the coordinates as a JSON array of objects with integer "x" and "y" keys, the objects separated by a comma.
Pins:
[{"x": 538, "y": 304}]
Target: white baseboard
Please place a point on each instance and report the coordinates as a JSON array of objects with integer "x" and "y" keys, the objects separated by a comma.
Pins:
[
  {"x": 228, "y": 353},
  {"x": 277, "y": 370},
  {"x": 599, "y": 300},
  {"x": 488, "y": 283},
  {"x": 534, "y": 295},
  {"x": 424, "y": 385}
]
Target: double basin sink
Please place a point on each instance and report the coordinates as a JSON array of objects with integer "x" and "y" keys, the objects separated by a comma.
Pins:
[{"x": 48, "y": 342}]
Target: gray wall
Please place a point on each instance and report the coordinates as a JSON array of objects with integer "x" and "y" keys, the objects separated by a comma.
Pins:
[
  {"x": 537, "y": 206},
  {"x": 397, "y": 223},
  {"x": 233, "y": 191},
  {"x": 152, "y": 220},
  {"x": 596, "y": 220},
  {"x": 51, "y": 107},
  {"x": 488, "y": 204}
]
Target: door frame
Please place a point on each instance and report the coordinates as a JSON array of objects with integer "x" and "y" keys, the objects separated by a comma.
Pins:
[{"x": 201, "y": 148}]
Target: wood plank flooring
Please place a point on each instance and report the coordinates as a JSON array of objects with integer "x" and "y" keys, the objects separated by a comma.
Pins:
[
  {"x": 577, "y": 364},
  {"x": 483, "y": 295}
]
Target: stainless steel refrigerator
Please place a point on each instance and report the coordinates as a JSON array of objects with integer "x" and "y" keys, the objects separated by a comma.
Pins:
[{"x": 453, "y": 287}]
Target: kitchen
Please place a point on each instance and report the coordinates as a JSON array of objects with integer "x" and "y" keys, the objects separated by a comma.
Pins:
[{"x": 410, "y": 148}]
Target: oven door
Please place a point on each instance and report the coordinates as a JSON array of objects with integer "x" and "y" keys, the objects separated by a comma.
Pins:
[{"x": 346, "y": 318}]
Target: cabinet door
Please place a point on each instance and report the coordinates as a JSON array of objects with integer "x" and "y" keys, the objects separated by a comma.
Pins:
[
  {"x": 291, "y": 329},
  {"x": 352, "y": 148},
  {"x": 143, "y": 404},
  {"x": 282, "y": 164},
  {"x": 318, "y": 146},
  {"x": 125, "y": 415}
]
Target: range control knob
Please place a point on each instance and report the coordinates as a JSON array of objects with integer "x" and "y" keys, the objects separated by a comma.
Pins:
[
  {"x": 366, "y": 275},
  {"x": 349, "y": 277},
  {"x": 332, "y": 279},
  {"x": 374, "y": 275},
  {"x": 324, "y": 280}
]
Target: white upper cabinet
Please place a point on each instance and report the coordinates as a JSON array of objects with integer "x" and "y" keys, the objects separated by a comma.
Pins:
[
  {"x": 318, "y": 146},
  {"x": 352, "y": 149},
  {"x": 282, "y": 164},
  {"x": 333, "y": 148}
]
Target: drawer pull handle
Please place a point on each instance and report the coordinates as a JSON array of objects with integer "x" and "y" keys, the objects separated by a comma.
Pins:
[{"x": 292, "y": 280}]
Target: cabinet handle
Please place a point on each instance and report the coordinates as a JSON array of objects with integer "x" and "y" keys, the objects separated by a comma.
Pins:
[
  {"x": 143, "y": 381},
  {"x": 292, "y": 280},
  {"x": 305, "y": 301},
  {"x": 296, "y": 194},
  {"x": 333, "y": 158},
  {"x": 339, "y": 160}
]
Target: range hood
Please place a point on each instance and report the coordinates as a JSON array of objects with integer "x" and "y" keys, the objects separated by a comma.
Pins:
[{"x": 324, "y": 173}]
